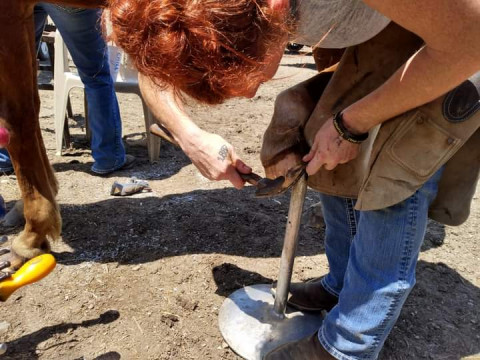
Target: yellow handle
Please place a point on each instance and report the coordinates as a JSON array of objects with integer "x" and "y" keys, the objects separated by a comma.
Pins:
[{"x": 32, "y": 271}]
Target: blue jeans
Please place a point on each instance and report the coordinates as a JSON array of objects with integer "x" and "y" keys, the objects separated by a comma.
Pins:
[
  {"x": 5, "y": 163},
  {"x": 80, "y": 29},
  {"x": 372, "y": 257}
]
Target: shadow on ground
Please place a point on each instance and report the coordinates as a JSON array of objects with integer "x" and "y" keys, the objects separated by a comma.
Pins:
[
  {"x": 171, "y": 161},
  {"x": 144, "y": 229},
  {"x": 424, "y": 330},
  {"x": 25, "y": 347},
  {"x": 301, "y": 65},
  {"x": 111, "y": 355},
  {"x": 229, "y": 277},
  {"x": 132, "y": 230}
]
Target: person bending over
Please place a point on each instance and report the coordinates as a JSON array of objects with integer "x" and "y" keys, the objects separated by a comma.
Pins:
[{"x": 398, "y": 158}]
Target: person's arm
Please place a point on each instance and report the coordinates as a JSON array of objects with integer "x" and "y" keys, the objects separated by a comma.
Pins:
[
  {"x": 451, "y": 31},
  {"x": 214, "y": 157},
  {"x": 451, "y": 54}
]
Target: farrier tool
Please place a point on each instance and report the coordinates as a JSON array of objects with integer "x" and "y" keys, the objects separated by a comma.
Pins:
[{"x": 264, "y": 187}]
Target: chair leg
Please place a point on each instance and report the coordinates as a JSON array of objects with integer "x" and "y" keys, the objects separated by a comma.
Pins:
[
  {"x": 51, "y": 54},
  {"x": 69, "y": 108},
  {"x": 60, "y": 103},
  {"x": 153, "y": 142},
  {"x": 66, "y": 135}
]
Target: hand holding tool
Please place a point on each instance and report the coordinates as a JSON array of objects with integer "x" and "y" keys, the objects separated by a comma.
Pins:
[{"x": 265, "y": 187}]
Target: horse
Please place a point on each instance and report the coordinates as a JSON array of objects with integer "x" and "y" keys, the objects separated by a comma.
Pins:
[{"x": 19, "y": 110}]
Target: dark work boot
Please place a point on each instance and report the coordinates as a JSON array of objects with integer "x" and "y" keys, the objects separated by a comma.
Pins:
[
  {"x": 311, "y": 296},
  {"x": 308, "y": 348}
]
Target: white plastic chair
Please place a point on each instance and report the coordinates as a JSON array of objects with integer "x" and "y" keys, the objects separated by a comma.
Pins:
[
  {"x": 126, "y": 81},
  {"x": 64, "y": 81}
]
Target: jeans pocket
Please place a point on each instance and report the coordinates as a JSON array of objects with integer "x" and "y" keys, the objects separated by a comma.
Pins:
[{"x": 421, "y": 146}]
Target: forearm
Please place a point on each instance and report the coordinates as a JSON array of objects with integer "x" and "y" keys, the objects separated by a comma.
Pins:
[
  {"x": 168, "y": 110},
  {"x": 210, "y": 153},
  {"x": 452, "y": 53},
  {"x": 426, "y": 76}
]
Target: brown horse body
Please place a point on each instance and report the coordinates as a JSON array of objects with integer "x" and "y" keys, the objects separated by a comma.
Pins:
[{"x": 19, "y": 109}]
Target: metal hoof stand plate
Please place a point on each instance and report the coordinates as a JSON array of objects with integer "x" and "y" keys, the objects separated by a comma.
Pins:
[
  {"x": 251, "y": 327},
  {"x": 251, "y": 322}
]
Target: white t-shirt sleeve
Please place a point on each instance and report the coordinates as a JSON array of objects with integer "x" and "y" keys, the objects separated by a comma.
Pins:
[{"x": 336, "y": 23}]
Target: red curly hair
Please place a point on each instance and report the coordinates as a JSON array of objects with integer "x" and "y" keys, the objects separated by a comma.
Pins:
[{"x": 203, "y": 48}]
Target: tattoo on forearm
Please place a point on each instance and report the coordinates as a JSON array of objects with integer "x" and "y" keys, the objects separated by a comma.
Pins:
[{"x": 223, "y": 153}]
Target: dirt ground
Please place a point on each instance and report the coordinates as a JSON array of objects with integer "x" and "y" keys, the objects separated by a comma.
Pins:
[{"x": 143, "y": 277}]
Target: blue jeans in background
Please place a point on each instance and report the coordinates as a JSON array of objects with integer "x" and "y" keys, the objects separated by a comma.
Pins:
[
  {"x": 80, "y": 29},
  {"x": 372, "y": 257},
  {"x": 5, "y": 163}
]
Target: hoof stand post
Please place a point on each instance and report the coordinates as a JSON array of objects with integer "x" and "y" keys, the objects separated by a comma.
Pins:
[{"x": 251, "y": 321}]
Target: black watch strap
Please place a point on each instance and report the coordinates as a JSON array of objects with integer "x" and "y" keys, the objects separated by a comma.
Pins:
[{"x": 345, "y": 133}]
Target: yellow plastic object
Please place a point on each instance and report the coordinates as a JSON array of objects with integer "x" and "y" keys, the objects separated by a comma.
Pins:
[{"x": 32, "y": 271}]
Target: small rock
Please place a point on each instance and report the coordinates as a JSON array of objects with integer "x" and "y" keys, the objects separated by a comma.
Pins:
[
  {"x": 136, "y": 268},
  {"x": 169, "y": 319},
  {"x": 186, "y": 303},
  {"x": 4, "y": 326}
]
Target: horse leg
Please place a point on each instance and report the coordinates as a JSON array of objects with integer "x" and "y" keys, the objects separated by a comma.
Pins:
[{"x": 19, "y": 109}]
